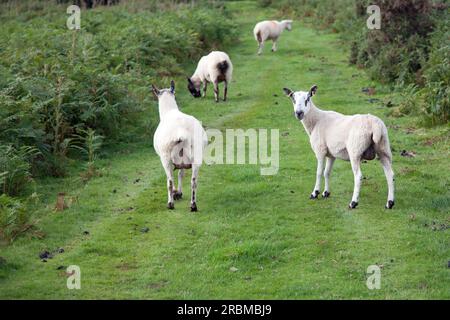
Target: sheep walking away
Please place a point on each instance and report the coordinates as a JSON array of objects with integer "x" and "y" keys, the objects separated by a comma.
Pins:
[
  {"x": 179, "y": 141},
  {"x": 270, "y": 30}
]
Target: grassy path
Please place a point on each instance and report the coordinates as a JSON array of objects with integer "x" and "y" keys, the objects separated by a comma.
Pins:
[{"x": 282, "y": 244}]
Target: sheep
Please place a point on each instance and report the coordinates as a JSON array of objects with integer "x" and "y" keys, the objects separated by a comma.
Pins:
[
  {"x": 270, "y": 30},
  {"x": 214, "y": 68},
  {"x": 179, "y": 141},
  {"x": 352, "y": 138}
]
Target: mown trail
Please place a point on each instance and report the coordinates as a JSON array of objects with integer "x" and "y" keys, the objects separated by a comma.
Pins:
[{"x": 282, "y": 244}]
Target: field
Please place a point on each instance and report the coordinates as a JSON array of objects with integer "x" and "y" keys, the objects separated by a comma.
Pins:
[{"x": 254, "y": 237}]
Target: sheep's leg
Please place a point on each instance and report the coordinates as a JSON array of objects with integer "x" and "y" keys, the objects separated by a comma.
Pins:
[
  {"x": 387, "y": 167},
  {"x": 170, "y": 186},
  {"x": 225, "y": 90},
  {"x": 195, "y": 169},
  {"x": 327, "y": 173},
  {"x": 261, "y": 47},
  {"x": 179, "y": 193},
  {"x": 356, "y": 167},
  {"x": 205, "y": 86},
  {"x": 274, "y": 46},
  {"x": 216, "y": 91},
  {"x": 316, "y": 191}
]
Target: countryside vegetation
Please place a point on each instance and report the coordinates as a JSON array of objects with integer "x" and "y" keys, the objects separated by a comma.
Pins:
[{"x": 80, "y": 183}]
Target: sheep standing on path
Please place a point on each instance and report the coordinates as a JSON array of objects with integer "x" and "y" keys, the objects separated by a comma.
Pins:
[
  {"x": 179, "y": 141},
  {"x": 334, "y": 135},
  {"x": 214, "y": 68},
  {"x": 270, "y": 30}
]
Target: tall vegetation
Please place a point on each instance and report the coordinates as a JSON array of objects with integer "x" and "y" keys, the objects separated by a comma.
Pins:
[
  {"x": 411, "y": 50},
  {"x": 14, "y": 218},
  {"x": 88, "y": 144},
  {"x": 15, "y": 168}
]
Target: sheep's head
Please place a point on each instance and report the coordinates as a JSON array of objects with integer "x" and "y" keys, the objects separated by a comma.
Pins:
[
  {"x": 301, "y": 101},
  {"x": 159, "y": 93},
  {"x": 194, "y": 88},
  {"x": 288, "y": 24}
]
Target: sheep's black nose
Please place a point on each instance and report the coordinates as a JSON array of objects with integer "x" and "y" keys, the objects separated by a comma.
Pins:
[{"x": 299, "y": 115}]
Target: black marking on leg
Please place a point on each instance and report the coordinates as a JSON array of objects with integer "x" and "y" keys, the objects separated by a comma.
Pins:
[
  {"x": 390, "y": 204},
  {"x": 170, "y": 206},
  {"x": 353, "y": 205},
  {"x": 194, "y": 207},
  {"x": 325, "y": 194},
  {"x": 314, "y": 195}
]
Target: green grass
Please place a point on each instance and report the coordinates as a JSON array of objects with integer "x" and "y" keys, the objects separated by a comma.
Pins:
[{"x": 284, "y": 245}]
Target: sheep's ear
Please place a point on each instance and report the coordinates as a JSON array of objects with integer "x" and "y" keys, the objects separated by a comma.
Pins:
[
  {"x": 288, "y": 92},
  {"x": 172, "y": 87},
  {"x": 155, "y": 91},
  {"x": 313, "y": 90}
]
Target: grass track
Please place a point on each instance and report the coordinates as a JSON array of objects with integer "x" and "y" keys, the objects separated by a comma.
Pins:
[{"x": 283, "y": 245}]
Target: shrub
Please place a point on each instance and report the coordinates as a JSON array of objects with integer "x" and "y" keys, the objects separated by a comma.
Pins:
[
  {"x": 14, "y": 218},
  {"x": 437, "y": 75},
  {"x": 15, "y": 168},
  {"x": 88, "y": 143}
]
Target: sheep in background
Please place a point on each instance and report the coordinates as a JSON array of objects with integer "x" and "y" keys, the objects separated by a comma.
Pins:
[
  {"x": 214, "y": 68},
  {"x": 334, "y": 135},
  {"x": 179, "y": 141},
  {"x": 270, "y": 30}
]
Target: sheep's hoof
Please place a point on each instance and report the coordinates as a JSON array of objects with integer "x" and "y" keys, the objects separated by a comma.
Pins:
[
  {"x": 353, "y": 205},
  {"x": 390, "y": 204},
  {"x": 325, "y": 194},
  {"x": 194, "y": 207},
  {"x": 314, "y": 195},
  {"x": 170, "y": 206},
  {"x": 177, "y": 195}
]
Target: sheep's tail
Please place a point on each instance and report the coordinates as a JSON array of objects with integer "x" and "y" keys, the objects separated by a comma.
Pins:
[
  {"x": 258, "y": 36},
  {"x": 380, "y": 138},
  {"x": 223, "y": 67}
]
